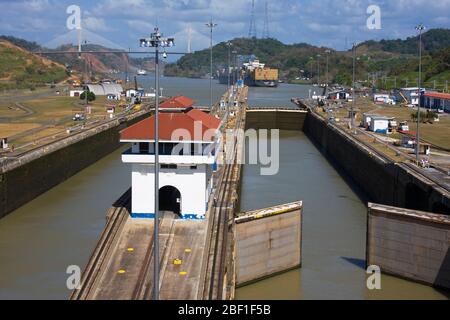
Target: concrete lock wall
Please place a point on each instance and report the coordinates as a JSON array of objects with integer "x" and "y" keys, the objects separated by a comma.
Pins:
[
  {"x": 383, "y": 181},
  {"x": 409, "y": 244},
  {"x": 267, "y": 244},
  {"x": 275, "y": 119},
  {"x": 24, "y": 182}
]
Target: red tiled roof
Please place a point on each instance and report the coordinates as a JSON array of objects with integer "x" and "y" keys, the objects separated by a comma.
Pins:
[
  {"x": 178, "y": 102},
  {"x": 192, "y": 121},
  {"x": 438, "y": 95}
]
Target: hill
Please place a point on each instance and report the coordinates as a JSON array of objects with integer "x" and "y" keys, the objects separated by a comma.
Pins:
[
  {"x": 434, "y": 39},
  {"x": 396, "y": 59},
  {"x": 97, "y": 63},
  {"x": 21, "y": 69}
]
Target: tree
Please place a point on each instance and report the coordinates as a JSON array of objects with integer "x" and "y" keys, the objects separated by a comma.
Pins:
[{"x": 90, "y": 96}]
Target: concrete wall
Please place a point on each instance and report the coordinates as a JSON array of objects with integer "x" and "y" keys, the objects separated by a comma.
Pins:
[
  {"x": 275, "y": 119},
  {"x": 267, "y": 245},
  {"x": 410, "y": 244},
  {"x": 383, "y": 181},
  {"x": 21, "y": 182}
]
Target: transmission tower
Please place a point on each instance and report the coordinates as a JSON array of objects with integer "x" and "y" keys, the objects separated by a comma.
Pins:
[
  {"x": 189, "y": 36},
  {"x": 252, "y": 30},
  {"x": 266, "y": 33}
]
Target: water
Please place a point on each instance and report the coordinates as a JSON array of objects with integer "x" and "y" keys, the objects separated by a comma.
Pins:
[
  {"x": 334, "y": 230},
  {"x": 198, "y": 89},
  {"x": 61, "y": 227},
  {"x": 278, "y": 97}
]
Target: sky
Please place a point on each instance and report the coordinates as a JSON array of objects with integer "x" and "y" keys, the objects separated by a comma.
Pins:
[{"x": 121, "y": 23}]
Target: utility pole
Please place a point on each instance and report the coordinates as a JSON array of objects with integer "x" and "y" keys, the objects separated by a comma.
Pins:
[
  {"x": 354, "y": 87},
  {"x": 229, "y": 45},
  {"x": 328, "y": 56},
  {"x": 211, "y": 26},
  {"x": 419, "y": 28},
  {"x": 156, "y": 41},
  {"x": 318, "y": 69}
]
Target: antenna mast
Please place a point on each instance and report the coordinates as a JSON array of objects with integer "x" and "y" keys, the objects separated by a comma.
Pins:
[
  {"x": 189, "y": 35},
  {"x": 266, "y": 33},
  {"x": 252, "y": 30}
]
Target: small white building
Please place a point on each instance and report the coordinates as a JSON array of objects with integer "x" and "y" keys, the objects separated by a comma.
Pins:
[
  {"x": 133, "y": 93},
  {"x": 338, "y": 95},
  {"x": 76, "y": 93},
  {"x": 379, "y": 124},
  {"x": 383, "y": 98},
  {"x": 411, "y": 94},
  {"x": 188, "y": 151}
]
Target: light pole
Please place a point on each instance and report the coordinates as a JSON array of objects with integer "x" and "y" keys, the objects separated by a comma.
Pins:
[
  {"x": 211, "y": 26},
  {"x": 318, "y": 69},
  {"x": 354, "y": 87},
  {"x": 328, "y": 55},
  {"x": 311, "y": 59},
  {"x": 229, "y": 45},
  {"x": 419, "y": 28},
  {"x": 156, "y": 41},
  {"x": 235, "y": 75}
]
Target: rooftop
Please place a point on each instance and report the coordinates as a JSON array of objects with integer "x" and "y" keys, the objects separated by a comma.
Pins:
[
  {"x": 178, "y": 102},
  {"x": 438, "y": 95},
  {"x": 190, "y": 125}
]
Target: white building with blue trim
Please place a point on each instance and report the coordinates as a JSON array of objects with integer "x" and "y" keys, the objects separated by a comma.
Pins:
[{"x": 189, "y": 141}]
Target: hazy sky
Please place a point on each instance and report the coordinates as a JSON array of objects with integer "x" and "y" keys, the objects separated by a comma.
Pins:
[{"x": 121, "y": 23}]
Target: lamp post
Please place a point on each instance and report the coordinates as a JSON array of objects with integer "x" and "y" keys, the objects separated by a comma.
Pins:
[
  {"x": 156, "y": 41},
  {"x": 229, "y": 45},
  {"x": 311, "y": 59},
  {"x": 318, "y": 69},
  {"x": 328, "y": 55},
  {"x": 354, "y": 87},
  {"x": 235, "y": 75},
  {"x": 211, "y": 26},
  {"x": 419, "y": 28}
]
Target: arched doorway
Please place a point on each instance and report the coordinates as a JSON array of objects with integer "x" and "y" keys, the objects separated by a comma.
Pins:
[{"x": 170, "y": 199}]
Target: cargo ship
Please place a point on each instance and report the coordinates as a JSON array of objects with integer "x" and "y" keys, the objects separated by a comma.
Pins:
[{"x": 256, "y": 74}]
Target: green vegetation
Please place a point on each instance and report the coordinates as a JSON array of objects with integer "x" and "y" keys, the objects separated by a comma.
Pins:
[
  {"x": 90, "y": 96},
  {"x": 20, "y": 69},
  {"x": 425, "y": 117},
  {"x": 393, "y": 63}
]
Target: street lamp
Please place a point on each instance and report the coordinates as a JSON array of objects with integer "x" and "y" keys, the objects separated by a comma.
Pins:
[
  {"x": 211, "y": 26},
  {"x": 318, "y": 69},
  {"x": 354, "y": 87},
  {"x": 328, "y": 55},
  {"x": 235, "y": 73},
  {"x": 156, "y": 41},
  {"x": 229, "y": 45},
  {"x": 419, "y": 28}
]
